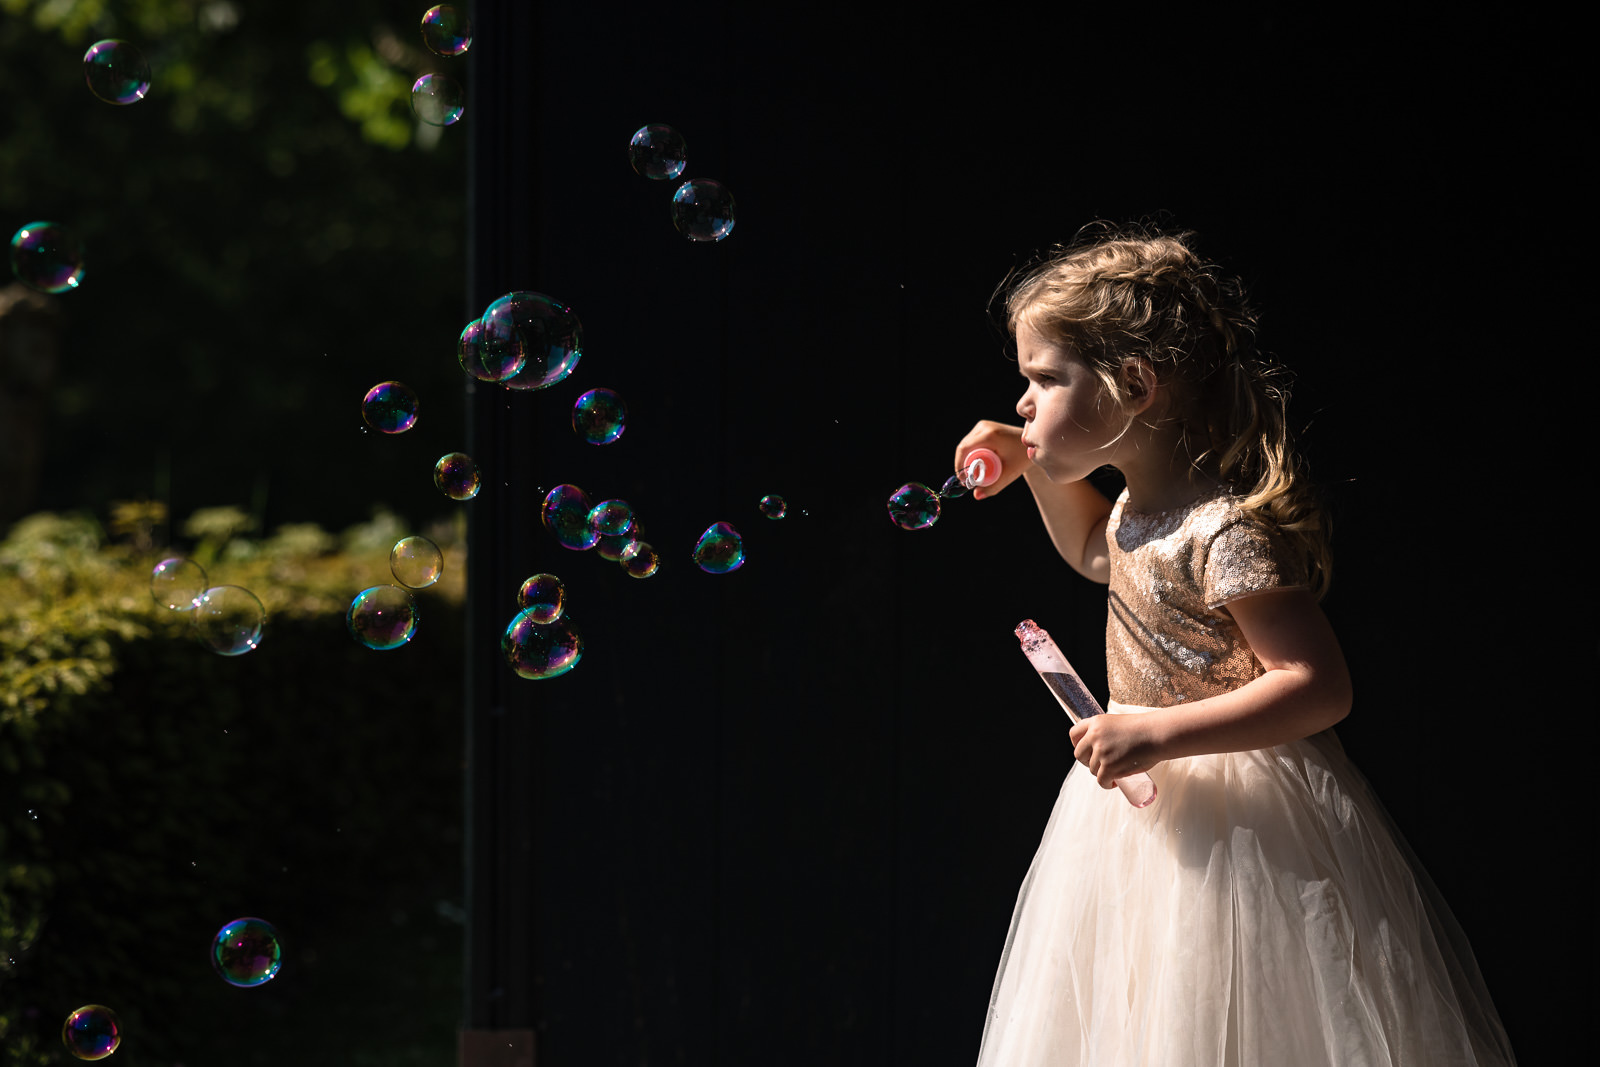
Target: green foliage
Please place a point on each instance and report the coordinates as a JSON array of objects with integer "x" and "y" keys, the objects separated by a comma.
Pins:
[{"x": 151, "y": 791}]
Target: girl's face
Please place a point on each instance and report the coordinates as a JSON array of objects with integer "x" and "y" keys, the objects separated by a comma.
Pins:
[{"x": 1072, "y": 423}]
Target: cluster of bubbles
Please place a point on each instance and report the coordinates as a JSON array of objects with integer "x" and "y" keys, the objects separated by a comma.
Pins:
[
  {"x": 437, "y": 99},
  {"x": 227, "y": 619},
  {"x": 702, "y": 209},
  {"x": 384, "y": 617},
  {"x": 540, "y": 641},
  {"x": 610, "y": 528},
  {"x": 247, "y": 952},
  {"x": 524, "y": 341},
  {"x": 47, "y": 256}
]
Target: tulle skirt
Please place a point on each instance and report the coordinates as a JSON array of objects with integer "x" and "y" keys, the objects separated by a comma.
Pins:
[{"x": 1263, "y": 912}]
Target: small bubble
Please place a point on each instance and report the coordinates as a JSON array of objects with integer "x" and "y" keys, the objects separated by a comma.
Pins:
[
  {"x": 177, "y": 584},
  {"x": 953, "y": 487},
  {"x": 914, "y": 506},
  {"x": 643, "y": 563},
  {"x": 437, "y": 100},
  {"x": 446, "y": 30},
  {"x": 116, "y": 72},
  {"x": 246, "y": 952},
  {"x": 390, "y": 407},
  {"x": 383, "y": 617},
  {"x": 457, "y": 476},
  {"x": 774, "y": 506},
  {"x": 542, "y": 596},
  {"x": 565, "y": 513},
  {"x": 657, "y": 152},
  {"x": 542, "y": 330},
  {"x": 416, "y": 562},
  {"x": 719, "y": 550},
  {"x": 229, "y": 620},
  {"x": 541, "y": 650},
  {"x": 93, "y": 1032},
  {"x": 702, "y": 210},
  {"x": 47, "y": 256},
  {"x": 599, "y": 416}
]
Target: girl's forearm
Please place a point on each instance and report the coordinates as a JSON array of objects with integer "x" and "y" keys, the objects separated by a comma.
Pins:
[{"x": 1281, "y": 706}]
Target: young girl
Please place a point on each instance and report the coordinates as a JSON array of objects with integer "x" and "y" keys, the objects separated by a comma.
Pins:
[{"x": 1262, "y": 911}]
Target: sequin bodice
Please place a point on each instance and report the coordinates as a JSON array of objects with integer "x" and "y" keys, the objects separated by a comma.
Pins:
[{"x": 1169, "y": 636}]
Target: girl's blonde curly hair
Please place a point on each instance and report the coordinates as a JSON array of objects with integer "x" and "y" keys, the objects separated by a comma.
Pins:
[{"x": 1121, "y": 293}]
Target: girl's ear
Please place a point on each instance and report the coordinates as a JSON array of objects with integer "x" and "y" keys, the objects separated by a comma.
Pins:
[{"x": 1139, "y": 380}]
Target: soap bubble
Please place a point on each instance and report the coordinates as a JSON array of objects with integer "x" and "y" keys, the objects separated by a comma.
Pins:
[
  {"x": 246, "y": 952},
  {"x": 92, "y": 1032},
  {"x": 565, "y": 513},
  {"x": 446, "y": 30},
  {"x": 383, "y": 617},
  {"x": 47, "y": 256},
  {"x": 914, "y": 506},
  {"x": 416, "y": 562},
  {"x": 541, "y": 650},
  {"x": 773, "y": 506},
  {"x": 177, "y": 583},
  {"x": 117, "y": 72},
  {"x": 457, "y": 476},
  {"x": 390, "y": 407},
  {"x": 657, "y": 152},
  {"x": 617, "y": 547},
  {"x": 611, "y": 517},
  {"x": 541, "y": 597},
  {"x": 228, "y": 620},
  {"x": 599, "y": 416},
  {"x": 953, "y": 487},
  {"x": 487, "y": 363},
  {"x": 643, "y": 563},
  {"x": 720, "y": 549},
  {"x": 540, "y": 329},
  {"x": 437, "y": 100},
  {"x": 702, "y": 210}
]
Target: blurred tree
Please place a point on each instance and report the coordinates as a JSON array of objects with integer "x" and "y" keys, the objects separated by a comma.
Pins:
[{"x": 268, "y": 233}]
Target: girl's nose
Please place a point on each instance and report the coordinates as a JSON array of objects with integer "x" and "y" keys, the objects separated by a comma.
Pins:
[{"x": 1024, "y": 406}]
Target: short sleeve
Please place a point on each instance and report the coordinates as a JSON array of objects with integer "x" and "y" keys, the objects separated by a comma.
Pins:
[{"x": 1243, "y": 558}]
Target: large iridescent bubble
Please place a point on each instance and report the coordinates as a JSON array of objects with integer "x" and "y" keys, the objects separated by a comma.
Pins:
[
  {"x": 914, "y": 506},
  {"x": 47, "y": 256},
  {"x": 457, "y": 476},
  {"x": 382, "y": 618},
  {"x": 446, "y": 30},
  {"x": 539, "y": 328},
  {"x": 437, "y": 100},
  {"x": 542, "y": 596},
  {"x": 93, "y": 1032},
  {"x": 246, "y": 952},
  {"x": 116, "y": 72},
  {"x": 416, "y": 562},
  {"x": 720, "y": 549},
  {"x": 599, "y": 416},
  {"x": 658, "y": 152},
  {"x": 703, "y": 210},
  {"x": 229, "y": 620},
  {"x": 390, "y": 407},
  {"x": 541, "y": 650}
]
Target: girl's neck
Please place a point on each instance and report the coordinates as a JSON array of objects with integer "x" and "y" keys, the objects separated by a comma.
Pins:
[{"x": 1160, "y": 475}]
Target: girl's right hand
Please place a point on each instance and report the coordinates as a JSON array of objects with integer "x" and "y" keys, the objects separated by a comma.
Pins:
[{"x": 1006, "y": 442}]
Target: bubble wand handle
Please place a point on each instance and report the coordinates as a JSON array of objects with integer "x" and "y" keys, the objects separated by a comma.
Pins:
[
  {"x": 982, "y": 468},
  {"x": 1075, "y": 698}
]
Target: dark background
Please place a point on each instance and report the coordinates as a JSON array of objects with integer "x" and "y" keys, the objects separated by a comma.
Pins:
[{"x": 781, "y": 815}]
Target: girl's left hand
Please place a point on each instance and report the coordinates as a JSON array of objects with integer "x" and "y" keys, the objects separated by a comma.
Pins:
[{"x": 1115, "y": 746}]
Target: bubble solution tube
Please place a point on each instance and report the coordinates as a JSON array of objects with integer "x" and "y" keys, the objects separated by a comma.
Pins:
[{"x": 1075, "y": 698}]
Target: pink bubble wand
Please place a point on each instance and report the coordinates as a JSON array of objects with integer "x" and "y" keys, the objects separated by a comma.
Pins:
[{"x": 1075, "y": 698}]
